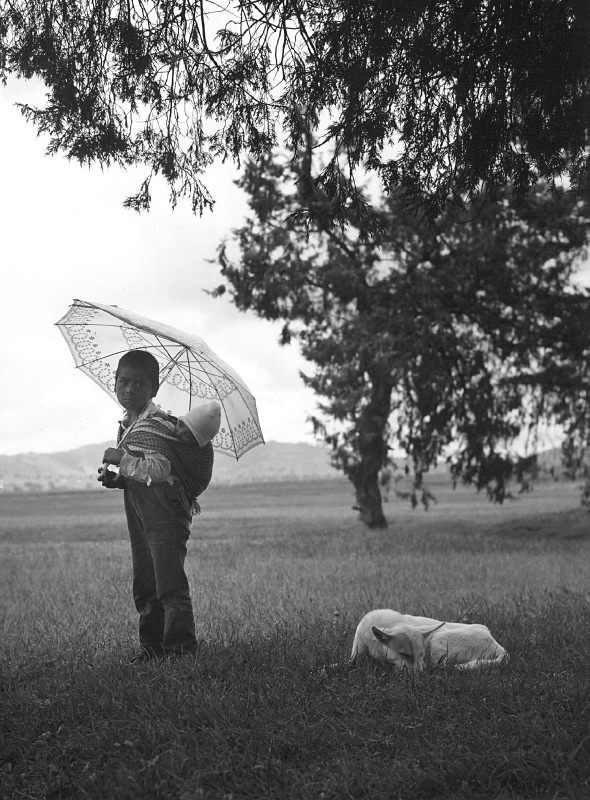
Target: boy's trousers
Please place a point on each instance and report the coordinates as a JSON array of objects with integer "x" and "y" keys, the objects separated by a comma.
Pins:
[{"x": 159, "y": 520}]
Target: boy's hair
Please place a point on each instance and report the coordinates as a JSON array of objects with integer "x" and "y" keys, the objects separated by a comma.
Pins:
[{"x": 140, "y": 359}]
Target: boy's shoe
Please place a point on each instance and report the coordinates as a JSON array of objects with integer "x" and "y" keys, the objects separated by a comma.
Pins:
[
  {"x": 145, "y": 654},
  {"x": 175, "y": 654}
]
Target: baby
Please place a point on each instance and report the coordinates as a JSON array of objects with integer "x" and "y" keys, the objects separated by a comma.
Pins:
[{"x": 149, "y": 451}]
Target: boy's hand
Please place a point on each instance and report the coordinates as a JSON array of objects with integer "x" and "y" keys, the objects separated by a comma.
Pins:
[
  {"x": 109, "y": 479},
  {"x": 112, "y": 455}
]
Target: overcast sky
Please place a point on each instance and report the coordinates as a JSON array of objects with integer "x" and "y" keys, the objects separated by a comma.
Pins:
[{"x": 65, "y": 235}]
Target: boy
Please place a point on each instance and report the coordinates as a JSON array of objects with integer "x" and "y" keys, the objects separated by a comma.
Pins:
[{"x": 164, "y": 464}]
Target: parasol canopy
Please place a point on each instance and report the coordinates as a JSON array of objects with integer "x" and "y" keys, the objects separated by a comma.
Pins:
[{"x": 190, "y": 371}]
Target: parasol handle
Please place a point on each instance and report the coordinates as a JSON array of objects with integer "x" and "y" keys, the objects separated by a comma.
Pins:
[{"x": 104, "y": 468}]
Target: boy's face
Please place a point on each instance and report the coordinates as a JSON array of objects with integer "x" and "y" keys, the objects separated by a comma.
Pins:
[{"x": 133, "y": 388}]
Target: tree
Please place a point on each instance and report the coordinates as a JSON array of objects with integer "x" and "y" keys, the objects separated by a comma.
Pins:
[
  {"x": 438, "y": 98},
  {"x": 441, "y": 341}
]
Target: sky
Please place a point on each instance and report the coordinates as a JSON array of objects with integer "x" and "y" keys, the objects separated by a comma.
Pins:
[{"x": 65, "y": 235}]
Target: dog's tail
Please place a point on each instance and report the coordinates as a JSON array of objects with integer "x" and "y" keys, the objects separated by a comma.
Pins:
[{"x": 355, "y": 655}]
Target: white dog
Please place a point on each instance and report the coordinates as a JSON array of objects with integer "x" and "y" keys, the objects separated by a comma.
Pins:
[{"x": 418, "y": 642}]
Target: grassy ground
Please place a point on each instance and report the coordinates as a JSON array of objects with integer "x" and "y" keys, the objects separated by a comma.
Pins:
[{"x": 280, "y": 577}]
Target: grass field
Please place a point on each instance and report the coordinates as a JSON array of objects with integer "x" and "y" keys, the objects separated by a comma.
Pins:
[{"x": 280, "y": 576}]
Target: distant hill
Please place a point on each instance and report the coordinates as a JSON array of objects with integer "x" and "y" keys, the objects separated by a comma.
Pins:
[
  {"x": 77, "y": 469},
  {"x": 274, "y": 461}
]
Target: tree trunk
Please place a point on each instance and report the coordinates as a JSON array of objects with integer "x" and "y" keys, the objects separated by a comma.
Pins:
[
  {"x": 368, "y": 499},
  {"x": 372, "y": 451}
]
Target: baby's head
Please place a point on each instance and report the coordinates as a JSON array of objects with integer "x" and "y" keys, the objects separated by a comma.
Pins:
[{"x": 200, "y": 423}]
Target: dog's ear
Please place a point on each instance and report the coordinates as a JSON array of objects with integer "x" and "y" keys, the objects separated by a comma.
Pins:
[{"x": 381, "y": 635}]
